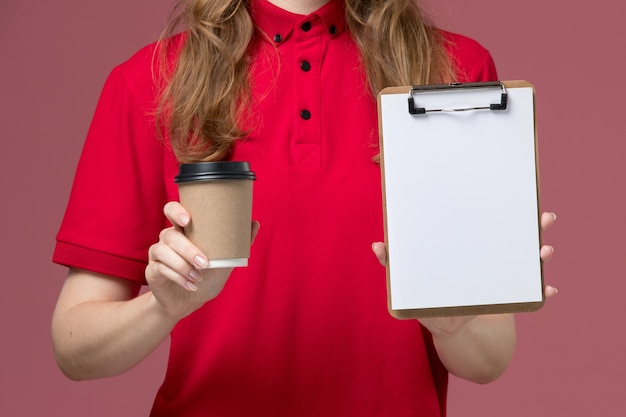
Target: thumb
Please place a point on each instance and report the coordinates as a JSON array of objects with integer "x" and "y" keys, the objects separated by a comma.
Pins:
[{"x": 380, "y": 250}]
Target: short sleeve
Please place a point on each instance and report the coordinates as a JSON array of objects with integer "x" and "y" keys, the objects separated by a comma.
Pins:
[{"x": 115, "y": 212}]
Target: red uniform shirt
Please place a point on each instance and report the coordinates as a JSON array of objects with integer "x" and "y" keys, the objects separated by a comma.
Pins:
[{"x": 304, "y": 330}]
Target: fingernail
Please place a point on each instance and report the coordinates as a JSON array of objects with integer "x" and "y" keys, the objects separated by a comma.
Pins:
[
  {"x": 191, "y": 286},
  {"x": 195, "y": 275},
  {"x": 183, "y": 219},
  {"x": 201, "y": 262},
  {"x": 554, "y": 215}
]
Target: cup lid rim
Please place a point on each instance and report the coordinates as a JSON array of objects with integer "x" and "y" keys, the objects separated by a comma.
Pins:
[{"x": 206, "y": 171}]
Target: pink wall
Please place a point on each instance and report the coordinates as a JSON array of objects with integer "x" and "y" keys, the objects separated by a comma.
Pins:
[{"x": 569, "y": 362}]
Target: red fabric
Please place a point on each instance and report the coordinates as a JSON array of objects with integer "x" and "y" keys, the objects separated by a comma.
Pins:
[{"x": 304, "y": 330}]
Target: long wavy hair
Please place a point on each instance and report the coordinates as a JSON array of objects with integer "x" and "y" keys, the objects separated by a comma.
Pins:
[{"x": 205, "y": 91}]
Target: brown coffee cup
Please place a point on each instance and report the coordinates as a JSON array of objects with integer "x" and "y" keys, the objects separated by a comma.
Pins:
[{"x": 218, "y": 197}]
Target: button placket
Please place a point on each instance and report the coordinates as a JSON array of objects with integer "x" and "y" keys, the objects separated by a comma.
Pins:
[{"x": 311, "y": 38}]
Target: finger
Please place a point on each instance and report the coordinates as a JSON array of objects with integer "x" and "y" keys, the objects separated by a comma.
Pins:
[
  {"x": 380, "y": 250},
  {"x": 550, "y": 291},
  {"x": 176, "y": 214},
  {"x": 255, "y": 230},
  {"x": 547, "y": 220},
  {"x": 173, "y": 269},
  {"x": 546, "y": 253},
  {"x": 166, "y": 274},
  {"x": 182, "y": 246}
]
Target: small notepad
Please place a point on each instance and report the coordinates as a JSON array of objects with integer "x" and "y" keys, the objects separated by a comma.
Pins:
[{"x": 460, "y": 187}]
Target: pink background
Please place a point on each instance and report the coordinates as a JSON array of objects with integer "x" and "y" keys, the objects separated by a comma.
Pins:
[{"x": 569, "y": 361}]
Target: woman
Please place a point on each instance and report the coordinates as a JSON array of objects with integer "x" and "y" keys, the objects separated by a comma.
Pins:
[{"x": 304, "y": 330}]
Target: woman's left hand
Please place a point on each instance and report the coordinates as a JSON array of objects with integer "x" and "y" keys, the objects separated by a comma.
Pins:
[{"x": 451, "y": 325}]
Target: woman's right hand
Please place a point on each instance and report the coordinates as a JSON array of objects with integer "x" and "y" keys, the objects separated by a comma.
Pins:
[
  {"x": 176, "y": 272},
  {"x": 101, "y": 327}
]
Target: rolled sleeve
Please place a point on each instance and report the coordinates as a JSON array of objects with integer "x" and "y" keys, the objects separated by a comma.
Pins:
[{"x": 114, "y": 212}]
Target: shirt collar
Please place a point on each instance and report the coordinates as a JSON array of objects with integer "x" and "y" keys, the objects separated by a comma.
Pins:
[{"x": 272, "y": 20}]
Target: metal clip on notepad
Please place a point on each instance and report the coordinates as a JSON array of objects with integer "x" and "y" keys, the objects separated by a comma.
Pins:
[{"x": 413, "y": 109}]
